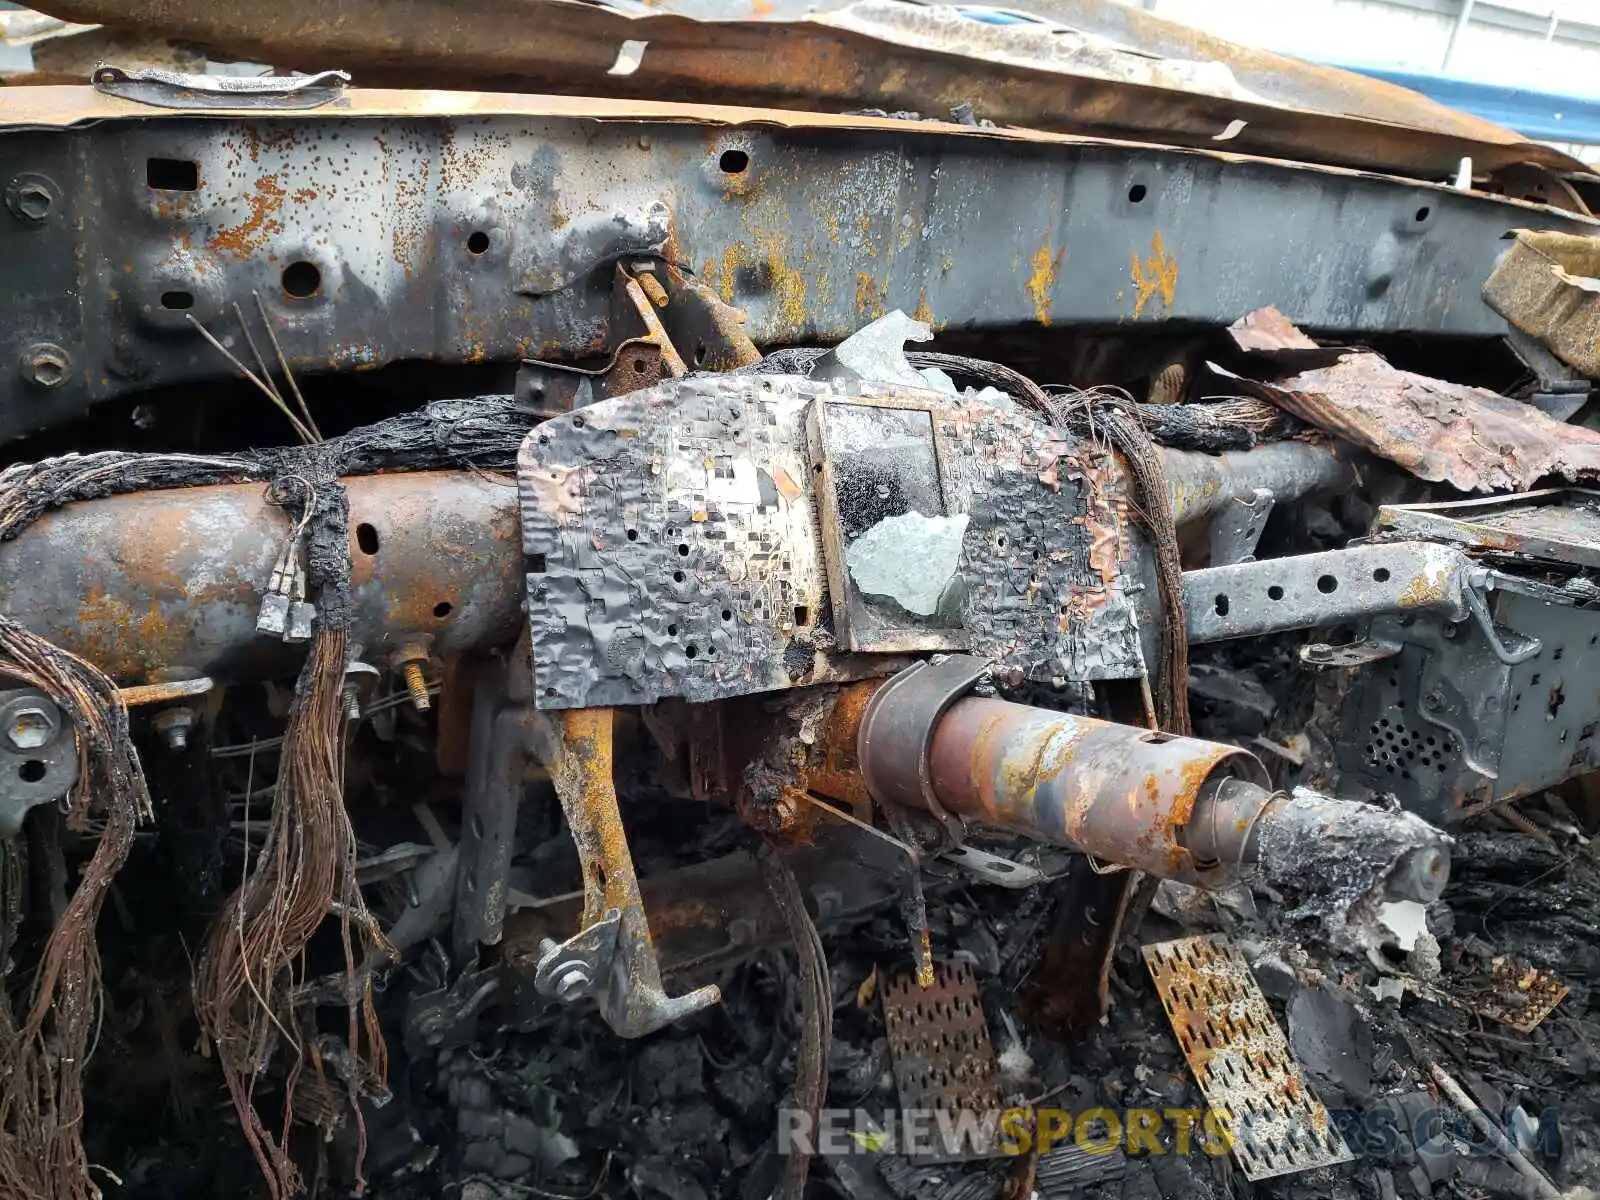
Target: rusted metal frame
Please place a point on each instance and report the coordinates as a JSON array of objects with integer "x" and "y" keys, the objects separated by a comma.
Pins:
[
  {"x": 468, "y": 259},
  {"x": 612, "y": 957}
]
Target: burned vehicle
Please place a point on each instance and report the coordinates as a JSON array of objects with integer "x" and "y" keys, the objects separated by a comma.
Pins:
[{"x": 486, "y": 574}]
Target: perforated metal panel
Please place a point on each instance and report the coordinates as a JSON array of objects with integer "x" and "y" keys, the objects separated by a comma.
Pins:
[
  {"x": 1241, "y": 1059},
  {"x": 939, "y": 1041}
]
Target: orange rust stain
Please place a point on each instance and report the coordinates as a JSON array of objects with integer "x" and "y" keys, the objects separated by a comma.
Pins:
[
  {"x": 923, "y": 313},
  {"x": 732, "y": 258},
  {"x": 1421, "y": 592},
  {"x": 249, "y": 238},
  {"x": 1155, "y": 275},
  {"x": 1042, "y": 281},
  {"x": 788, "y": 284},
  {"x": 869, "y": 299}
]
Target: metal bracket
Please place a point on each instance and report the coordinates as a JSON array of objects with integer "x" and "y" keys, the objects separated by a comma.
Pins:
[
  {"x": 575, "y": 968},
  {"x": 1360, "y": 653},
  {"x": 1330, "y": 588},
  {"x": 902, "y": 756},
  {"x": 174, "y": 89},
  {"x": 549, "y": 389},
  {"x": 1527, "y": 647},
  {"x": 38, "y": 755},
  {"x": 613, "y": 946},
  {"x": 992, "y": 868},
  {"x": 1443, "y": 705},
  {"x": 1236, "y": 530}
]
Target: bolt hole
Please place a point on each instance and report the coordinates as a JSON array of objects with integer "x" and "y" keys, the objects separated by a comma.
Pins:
[
  {"x": 683, "y": 550},
  {"x": 639, "y": 366},
  {"x": 172, "y": 174},
  {"x": 1274, "y": 592},
  {"x": 1222, "y": 606},
  {"x": 367, "y": 538},
  {"x": 633, "y": 535},
  {"x": 301, "y": 279},
  {"x": 177, "y": 300},
  {"x": 734, "y": 162},
  {"x": 1381, "y": 575},
  {"x": 1327, "y": 584},
  {"x": 32, "y": 771},
  {"x": 727, "y": 614},
  {"x": 477, "y": 242},
  {"x": 691, "y": 651},
  {"x": 443, "y": 609},
  {"x": 1137, "y": 193},
  {"x": 1422, "y": 213},
  {"x": 677, "y": 577},
  {"x": 672, "y": 631}
]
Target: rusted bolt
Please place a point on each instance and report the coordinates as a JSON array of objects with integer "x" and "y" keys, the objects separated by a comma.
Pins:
[
  {"x": 173, "y": 725},
  {"x": 1319, "y": 651},
  {"x": 409, "y": 661},
  {"x": 1433, "y": 701},
  {"x": 45, "y": 365},
  {"x": 417, "y": 685},
  {"x": 30, "y": 727}
]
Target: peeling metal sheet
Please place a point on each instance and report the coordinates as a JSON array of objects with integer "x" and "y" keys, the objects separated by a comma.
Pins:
[
  {"x": 1468, "y": 437},
  {"x": 802, "y": 59},
  {"x": 1241, "y": 1059},
  {"x": 677, "y": 546},
  {"x": 1557, "y": 524}
]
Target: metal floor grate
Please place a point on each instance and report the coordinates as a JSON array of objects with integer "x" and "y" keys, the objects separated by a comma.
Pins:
[
  {"x": 939, "y": 1040},
  {"x": 1241, "y": 1059}
]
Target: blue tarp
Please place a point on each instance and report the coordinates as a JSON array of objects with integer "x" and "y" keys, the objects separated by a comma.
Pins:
[{"x": 1545, "y": 116}]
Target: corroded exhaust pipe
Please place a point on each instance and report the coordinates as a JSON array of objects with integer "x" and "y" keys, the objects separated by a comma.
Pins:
[{"x": 1179, "y": 808}]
